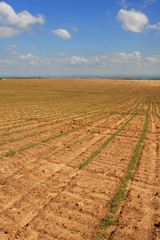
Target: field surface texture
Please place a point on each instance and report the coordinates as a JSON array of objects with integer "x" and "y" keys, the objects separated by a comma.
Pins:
[{"x": 79, "y": 159}]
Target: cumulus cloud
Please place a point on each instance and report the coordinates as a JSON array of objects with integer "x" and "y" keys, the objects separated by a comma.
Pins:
[
  {"x": 34, "y": 60},
  {"x": 101, "y": 60},
  {"x": 12, "y": 23},
  {"x": 121, "y": 58},
  {"x": 62, "y": 33},
  {"x": 132, "y": 20},
  {"x": 75, "y": 60},
  {"x": 7, "y": 32},
  {"x": 153, "y": 59},
  {"x": 101, "y": 63},
  {"x": 154, "y": 26}
]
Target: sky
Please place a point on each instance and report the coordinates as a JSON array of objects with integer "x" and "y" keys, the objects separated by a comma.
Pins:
[{"x": 79, "y": 38}]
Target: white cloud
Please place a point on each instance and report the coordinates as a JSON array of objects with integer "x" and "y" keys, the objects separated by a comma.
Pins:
[
  {"x": 77, "y": 60},
  {"x": 6, "y": 61},
  {"x": 132, "y": 20},
  {"x": 12, "y": 23},
  {"x": 61, "y": 54},
  {"x": 34, "y": 60},
  {"x": 13, "y": 52},
  {"x": 121, "y": 58},
  {"x": 153, "y": 59},
  {"x": 6, "y": 32},
  {"x": 62, "y": 33},
  {"x": 123, "y": 3},
  {"x": 108, "y": 63},
  {"x": 26, "y": 56},
  {"x": 113, "y": 59},
  {"x": 154, "y": 26},
  {"x": 11, "y": 49}
]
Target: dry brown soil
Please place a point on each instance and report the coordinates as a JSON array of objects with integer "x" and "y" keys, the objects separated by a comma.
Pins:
[{"x": 49, "y": 127}]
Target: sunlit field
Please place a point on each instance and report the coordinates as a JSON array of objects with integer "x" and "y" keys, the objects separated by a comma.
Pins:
[{"x": 79, "y": 159}]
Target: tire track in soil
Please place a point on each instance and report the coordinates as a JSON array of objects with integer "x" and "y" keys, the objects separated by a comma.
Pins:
[
  {"x": 82, "y": 195},
  {"x": 140, "y": 211}
]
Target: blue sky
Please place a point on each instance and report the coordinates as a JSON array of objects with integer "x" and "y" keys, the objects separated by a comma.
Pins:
[{"x": 66, "y": 38}]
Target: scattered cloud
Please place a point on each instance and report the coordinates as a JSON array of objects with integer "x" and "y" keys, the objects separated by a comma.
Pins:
[
  {"x": 12, "y": 23},
  {"x": 6, "y": 61},
  {"x": 123, "y": 3},
  {"x": 77, "y": 60},
  {"x": 11, "y": 49},
  {"x": 7, "y": 32},
  {"x": 13, "y": 52},
  {"x": 62, "y": 33},
  {"x": 101, "y": 60},
  {"x": 34, "y": 60},
  {"x": 121, "y": 58},
  {"x": 132, "y": 20},
  {"x": 147, "y": 3},
  {"x": 113, "y": 63},
  {"x": 61, "y": 54},
  {"x": 154, "y": 26},
  {"x": 153, "y": 59},
  {"x": 75, "y": 29}
]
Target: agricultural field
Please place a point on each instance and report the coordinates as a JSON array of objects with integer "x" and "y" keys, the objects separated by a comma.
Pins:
[{"x": 79, "y": 159}]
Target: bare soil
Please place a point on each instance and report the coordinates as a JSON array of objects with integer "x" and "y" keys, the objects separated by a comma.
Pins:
[{"x": 48, "y": 128}]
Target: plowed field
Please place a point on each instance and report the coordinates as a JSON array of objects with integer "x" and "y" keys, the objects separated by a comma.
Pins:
[{"x": 79, "y": 159}]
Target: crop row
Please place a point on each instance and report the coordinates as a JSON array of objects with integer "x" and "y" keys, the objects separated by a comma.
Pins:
[
  {"x": 54, "y": 116},
  {"x": 23, "y": 111},
  {"x": 97, "y": 151},
  {"x": 56, "y": 122},
  {"x": 110, "y": 219},
  {"x": 31, "y": 145}
]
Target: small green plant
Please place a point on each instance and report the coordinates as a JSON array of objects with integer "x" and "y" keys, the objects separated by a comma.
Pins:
[
  {"x": 4, "y": 182},
  {"x": 27, "y": 147},
  {"x": 68, "y": 146},
  {"x": 109, "y": 220},
  {"x": 10, "y": 153},
  {"x": 122, "y": 190},
  {"x": 84, "y": 163}
]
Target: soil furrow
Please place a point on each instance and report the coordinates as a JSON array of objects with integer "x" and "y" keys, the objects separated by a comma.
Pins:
[
  {"x": 85, "y": 197},
  {"x": 140, "y": 212}
]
